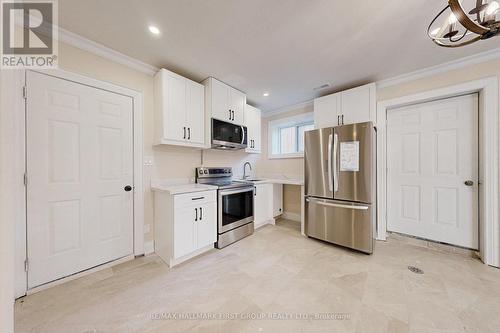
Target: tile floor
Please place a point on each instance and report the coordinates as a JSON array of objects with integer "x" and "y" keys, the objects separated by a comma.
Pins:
[{"x": 274, "y": 274}]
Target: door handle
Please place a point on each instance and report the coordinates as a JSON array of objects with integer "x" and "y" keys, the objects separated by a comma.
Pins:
[
  {"x": 335, "y": 169},
  {"x": 329, "y": 167},
  {"x": 201, "y": 213},
  {"x": 196, "y": 212},
  {"x": 128, "y": 188},
  {"x": 469, "y": 183},
  {"x": 329, "y": 204},
  {"x": 189, "y": 133},
  {"x": 184, "y": 128}
]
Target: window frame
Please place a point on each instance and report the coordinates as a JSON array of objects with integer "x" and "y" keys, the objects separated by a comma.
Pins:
[{"x": 274, "y": 137}]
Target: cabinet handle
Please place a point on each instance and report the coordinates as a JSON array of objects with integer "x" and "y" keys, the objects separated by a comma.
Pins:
[
  {"x": 233, "y": 115},
  {"x": 342, "y": 119},
  {"x": 199, "y": 198},
  {"x": 201, "y": 213},
  {"x": 184, "y": 128},
  {"x": 229, "y": 114},
  {"x": 338, "y": 120},
  {"x": 196, "y": 218},
  {"x": 255, "y": 191},
  {"x": 189, "y": 133}
]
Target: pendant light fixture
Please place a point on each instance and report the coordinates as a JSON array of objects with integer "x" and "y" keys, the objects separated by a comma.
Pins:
[{"x": 460, "y": 27}]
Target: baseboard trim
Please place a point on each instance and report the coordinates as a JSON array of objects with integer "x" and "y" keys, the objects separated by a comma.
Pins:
[
  {"x": 149, "y": 247},
  {"x": 291, "y": 216}
]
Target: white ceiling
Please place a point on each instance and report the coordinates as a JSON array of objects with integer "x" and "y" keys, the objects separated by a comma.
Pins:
[{"x": 285, "y": 47}]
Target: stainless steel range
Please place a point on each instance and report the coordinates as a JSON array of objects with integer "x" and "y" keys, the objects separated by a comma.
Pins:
[{"x": 235, "y": 204}]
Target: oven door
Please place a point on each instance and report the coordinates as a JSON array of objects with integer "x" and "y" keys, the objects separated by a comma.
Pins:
[
  {"x": 228, "y": 136},
  {"x": 235, "y": 208}
]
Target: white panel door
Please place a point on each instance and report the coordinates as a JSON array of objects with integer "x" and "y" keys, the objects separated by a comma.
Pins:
[
  {"x": 432, "y": 151},
  {"x": 79, "y": 159},
  {"x": 195, "y": 100}
]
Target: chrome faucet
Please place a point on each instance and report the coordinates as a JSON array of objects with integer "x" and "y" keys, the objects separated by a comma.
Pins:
[{"x": 245, "y": 169}]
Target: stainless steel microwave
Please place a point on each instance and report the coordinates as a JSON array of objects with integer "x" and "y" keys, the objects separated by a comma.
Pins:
[{"x": 228, "y": 136}]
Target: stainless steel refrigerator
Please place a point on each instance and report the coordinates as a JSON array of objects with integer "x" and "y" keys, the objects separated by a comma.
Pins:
[{"x": 340, "y": 185}]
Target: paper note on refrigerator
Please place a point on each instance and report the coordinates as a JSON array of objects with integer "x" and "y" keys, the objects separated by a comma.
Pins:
[{"x": 349, "y": 156}]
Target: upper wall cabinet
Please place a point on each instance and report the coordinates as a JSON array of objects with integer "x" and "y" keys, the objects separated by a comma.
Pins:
[
  {"x": 253, "y": 123},
  {"x": 224, "y": 102},
  {"x": 179, "y": 110},
  {"x": 346, "y": 107}
]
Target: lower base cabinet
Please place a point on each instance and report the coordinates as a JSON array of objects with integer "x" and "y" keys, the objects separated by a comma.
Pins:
[
  {"x": 263, "y": 204},
  {"x": 185, "y": 225}
]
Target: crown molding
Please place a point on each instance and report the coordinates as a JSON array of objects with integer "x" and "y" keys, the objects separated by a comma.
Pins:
[
  {"x": 444, "y": 67},
  {"x": 267, "y": 114},
  {"x": 88, "y": 45}
]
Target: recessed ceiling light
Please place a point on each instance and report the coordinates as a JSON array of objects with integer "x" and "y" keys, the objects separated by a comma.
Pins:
[
  {"x": 265, "y": 94},
  {"x": 154, "y": 30}
]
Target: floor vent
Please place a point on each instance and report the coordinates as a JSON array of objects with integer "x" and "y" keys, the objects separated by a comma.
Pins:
[{"x": 415, "y": 270}]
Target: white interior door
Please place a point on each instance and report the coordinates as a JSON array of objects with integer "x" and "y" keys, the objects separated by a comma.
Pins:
[
  {"x": 79, "y": 160},
  {"x": 432, "y": 151}
]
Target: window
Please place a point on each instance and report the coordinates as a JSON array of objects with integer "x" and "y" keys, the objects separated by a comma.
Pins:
[{"x": 287, "y": 136}]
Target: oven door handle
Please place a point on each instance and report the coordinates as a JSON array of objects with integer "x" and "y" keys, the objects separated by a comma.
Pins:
[{"x": 239, "y": 190}]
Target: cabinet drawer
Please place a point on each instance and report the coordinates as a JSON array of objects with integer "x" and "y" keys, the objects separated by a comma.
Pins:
[{"x": 197, "y": 198}]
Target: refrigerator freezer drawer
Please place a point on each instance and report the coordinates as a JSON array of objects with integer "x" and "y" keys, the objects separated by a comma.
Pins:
[{"x": 338, "y": 222}]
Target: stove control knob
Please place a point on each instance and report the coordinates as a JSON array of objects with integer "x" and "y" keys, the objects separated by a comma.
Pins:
[
  {"x": 206, "y": 172},
  {"x": 200, "y": 172}
]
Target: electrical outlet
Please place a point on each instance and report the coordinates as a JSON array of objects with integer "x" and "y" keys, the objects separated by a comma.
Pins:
[{"x": 148, "y": 160}]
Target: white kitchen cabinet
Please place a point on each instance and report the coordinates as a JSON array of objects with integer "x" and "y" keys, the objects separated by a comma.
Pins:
[
  {"x": 327, "y": 111},
  {"x": 224, "y": 102},
  {"x": 277, "y": 199},
  {"x": 253, "y": 122},
  {"x": 185, "y": 225},
  {"x": 179, "y": 110},
  {"x": 351, "y": 106},
  {"x": 263, "y": 204}
]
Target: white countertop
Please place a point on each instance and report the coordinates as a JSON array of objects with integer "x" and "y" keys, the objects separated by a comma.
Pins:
[
  {"x": 173, "y": 187},
  {"x": 278, "y": 180}
]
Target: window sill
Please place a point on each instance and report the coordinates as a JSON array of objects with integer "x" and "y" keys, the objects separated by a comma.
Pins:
[{"x": 284, "y": 156}]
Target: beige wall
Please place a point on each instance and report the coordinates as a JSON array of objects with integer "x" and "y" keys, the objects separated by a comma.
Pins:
[
  {"x": 469, "y": 73},
  {"x": 169, "y": 161},
  {"x": 291, "y": 167}
]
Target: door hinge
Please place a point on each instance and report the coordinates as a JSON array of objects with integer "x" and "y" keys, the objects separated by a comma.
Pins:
[
  {"x": 25, "y": 179},
  {"x": 25, "y": 92},
  {"x": 26, "y": 265}
]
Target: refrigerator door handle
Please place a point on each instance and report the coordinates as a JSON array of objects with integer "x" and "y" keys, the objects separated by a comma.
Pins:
[
  {"x": 335, "y": 171},
  {"x": 329, "y": 204},
  {"x": 330, "y": 175}
]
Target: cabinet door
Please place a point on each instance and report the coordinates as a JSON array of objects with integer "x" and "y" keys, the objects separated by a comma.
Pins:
[
  {"x": 206, "y": 226},
  {"x": 174, "y": 118},
  {"x": 195, "y": 112},
  {"x": 262, "y": 204},
  {"x": 238, "y": 102},
  {"x": 220, "y": 94},
  {"x": 327, "y": 111},
  {"x": 184, "y": 230},
  {"x": 257, "y": 123},
  {"x": 356, "y": 105},
  {"x": 253, "y": 123}
]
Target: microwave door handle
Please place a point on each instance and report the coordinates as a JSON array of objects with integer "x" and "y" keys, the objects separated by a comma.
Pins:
[
  {"x": 242, "y": 134},
  {"x": 330, "y": 175},
  {"x": 335, "y": 169}
]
